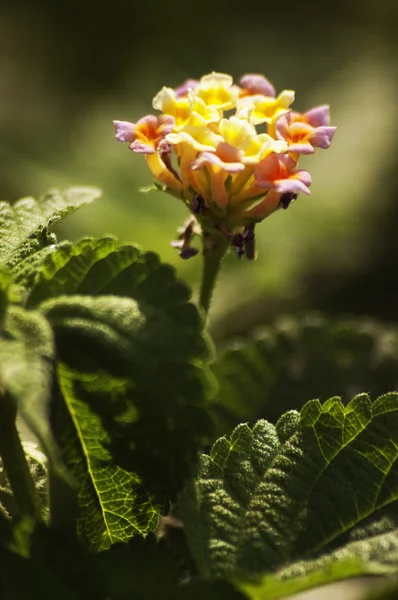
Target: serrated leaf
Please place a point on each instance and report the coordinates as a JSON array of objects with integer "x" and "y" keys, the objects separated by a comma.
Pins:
[
  {"x": 104, "y": 266},
  {"x": 133, "y": 368},
  {"x": 24, "y": 225},
  {"x": 26, "y": 353},
  {"x": 138, "y": 360},
  {"x": 25, "y": 273},
  {"x": 280, "y": 367},
  {"x": 64, "y": 269},
  {"x": 113, "y": 504},
  {"x": 268, "y": 496}
]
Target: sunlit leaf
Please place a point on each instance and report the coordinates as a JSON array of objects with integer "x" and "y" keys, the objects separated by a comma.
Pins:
[
  {"x": 319, "y": 488},
  {"x": 134, "y": 382},
  {"x": 24, "y": 226},
  {"x": 113, "y": 504}
]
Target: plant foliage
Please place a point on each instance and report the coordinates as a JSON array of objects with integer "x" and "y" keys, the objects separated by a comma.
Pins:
[{"x": 106, "y": 364}]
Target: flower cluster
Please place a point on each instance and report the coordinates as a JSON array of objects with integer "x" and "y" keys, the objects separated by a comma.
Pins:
[{"x": 205, "y": 149}]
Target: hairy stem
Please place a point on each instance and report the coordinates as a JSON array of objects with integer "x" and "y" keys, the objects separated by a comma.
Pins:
[
  {"x": 15, "y": 463},
  {"x": 212, "y": 258}
]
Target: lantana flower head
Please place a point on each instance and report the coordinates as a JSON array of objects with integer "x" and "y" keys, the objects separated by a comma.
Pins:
[{"x": 205, "y": 149}]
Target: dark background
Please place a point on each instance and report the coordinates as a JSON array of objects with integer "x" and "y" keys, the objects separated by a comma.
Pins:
[{"x": 68, "y": 68}]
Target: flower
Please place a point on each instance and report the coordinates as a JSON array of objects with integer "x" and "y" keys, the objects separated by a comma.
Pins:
[
  {"x": 253, "y": 84},
  {"x": 259, "y": 109},
  {"x": 216, "y": 90},
  {"x": 305, "y": 132},
  {"x": 147, "y": 135},
  {"x": 184, "y": 107},
  {"x": 229, "y": 175},
  {"x": 280, "y": 174}
]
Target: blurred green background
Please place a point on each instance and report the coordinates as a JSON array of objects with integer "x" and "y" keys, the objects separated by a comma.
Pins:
[{"x": 69, "y": 68}]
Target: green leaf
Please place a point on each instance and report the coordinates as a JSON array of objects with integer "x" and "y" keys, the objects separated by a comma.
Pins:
[
  {"x": 140, "y": 401},
  {"x": 24, "y": 225},
  {"x": 25, "y": 273},
  {"x": 104, "y": 266},
  {"x": 113, "y": 504},
  {"x": 280, "y": 367},
  {"x": 304, "y": 576},
  {"x": 321, "y": 486},
  {"x": 65, "y": 269},
  {"x": 133, "y": 369},
  {"x": 26, "y": 354}
]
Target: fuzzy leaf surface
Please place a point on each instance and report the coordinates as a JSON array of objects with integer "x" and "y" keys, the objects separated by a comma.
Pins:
[
  {"x": 321, "y": 485},
  {"x": 134, "y": 382},
  {"x": 24, "y": 226}
]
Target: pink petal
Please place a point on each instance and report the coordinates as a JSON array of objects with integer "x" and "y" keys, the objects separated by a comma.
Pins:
[
  {"x": 322, "y": 137},
  {"x": 164, "y": 147},
  {"x": 295, "y": 186},
  {"x": 304, "y": 176},
  {"x": 265, "y": 169},
  {"x": 182, "y": 90},
  {"x": 282, "y": 128},
  {"x": 273, "y": 168},
  {"x": 228, "y": 153},
  {"x": 257, "y": 84},
  {"x": 286, "y": 161},
  {"x": 300, "y": 128},
  {"x": 267, "y": 184},
  {"x": 124, "y": 131},
  {"x": 318, "y": 116},
  {"x": 167, "y": 123},
  {"x": 209, "y": 158},
  {"x": 142, "y": 148},
  {"x": 151, "y": 120},
  {"x": 301, "y": 148}
]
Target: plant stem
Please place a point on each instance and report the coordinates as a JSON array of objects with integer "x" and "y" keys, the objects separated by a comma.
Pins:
[
  {"x": 212, "y": 258},
  {"x": 15, "y": 463}
]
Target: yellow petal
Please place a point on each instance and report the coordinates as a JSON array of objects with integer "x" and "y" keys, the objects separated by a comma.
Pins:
[
  {"x": 215, "y": 90},
  {"x": 236, "y": 131},
  {"x": 200, "y": 137},
  {"x": 162, "y": 173},
  {"x": 168, "y": 103},
  {"x": 215, "y": 79},
  {"x": 264, "y": 109}
]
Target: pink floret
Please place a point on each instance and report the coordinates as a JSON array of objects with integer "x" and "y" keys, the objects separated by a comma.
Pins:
[{"x": 257, "y": 84}]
